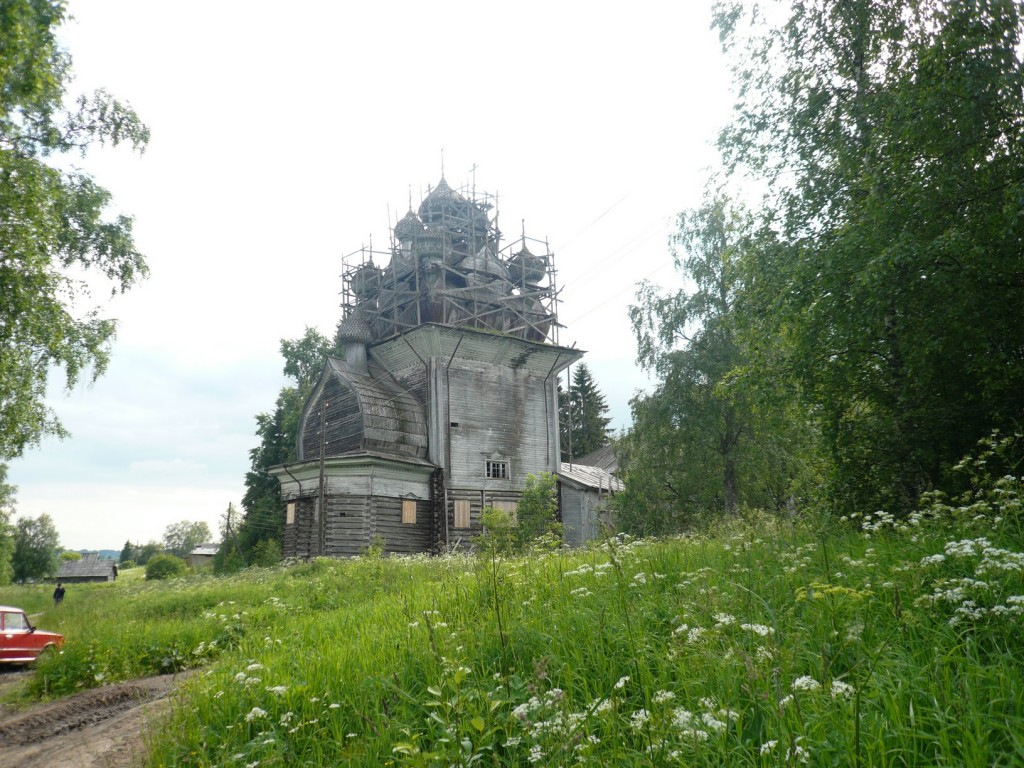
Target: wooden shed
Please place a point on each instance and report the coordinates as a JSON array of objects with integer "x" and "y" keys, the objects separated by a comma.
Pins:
[
  {"x": 584, "y": 492},
  {"x": 89, "y": 568},
  {"x": 203, "y": 555}
]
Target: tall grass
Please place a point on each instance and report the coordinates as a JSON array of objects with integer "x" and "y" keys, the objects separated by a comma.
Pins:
[{"x": 763, "y": 642}]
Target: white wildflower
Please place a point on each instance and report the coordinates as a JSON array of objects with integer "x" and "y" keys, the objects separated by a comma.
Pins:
[
  {"x": 806, "y": 683},
  {"x": 639, "y": 719},
  {"x": 841, "y": 690}
]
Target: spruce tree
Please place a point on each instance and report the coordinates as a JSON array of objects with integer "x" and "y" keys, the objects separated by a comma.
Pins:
[{"x": 584, "y": 423}]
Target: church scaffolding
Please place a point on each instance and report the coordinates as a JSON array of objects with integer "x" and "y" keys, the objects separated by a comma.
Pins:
[{"x": 446, "y": 265}]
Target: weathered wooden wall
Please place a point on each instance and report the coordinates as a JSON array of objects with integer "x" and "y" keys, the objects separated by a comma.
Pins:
[
  {"x": 352, "y": 523},
  {"x": 386, "y": 522},
  {"x": 343, "y": 422},
  {"x": 501, "y": 413}
]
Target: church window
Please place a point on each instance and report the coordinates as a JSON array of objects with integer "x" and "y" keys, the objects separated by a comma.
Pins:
[{"x": 497, "y": 470}]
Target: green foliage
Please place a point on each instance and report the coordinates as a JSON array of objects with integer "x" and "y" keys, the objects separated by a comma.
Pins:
[
  {"x": 128, "y": 552},
  {"x": 537, "y": 512},
  {"x": 53, "y": 222},
  {"x": 263, "y": 517},
  {"x": 889, "y": 134},
  {"x": 702, "y": 444},
  {"x": 760, "y": 641},
  {"x": 533, "y": 526},
  {"x": 164, "y": 567},
  {"x": 994, "y": 486},
  {"x": 70, "y": 555},
  {"x": 266, "y": 553},
  {"x": 36, "y": 543},
  {"x": 498, "y": 536},
  {"x": 182, "y": 537},
  {"x": 7, "y": 500},
  {"x": 126, "y": 565},
  {"x": 582, "y": 420},
  {"x": 147, "y": 551}
]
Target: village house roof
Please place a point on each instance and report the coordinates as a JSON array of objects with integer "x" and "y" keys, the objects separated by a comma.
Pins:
[
  {"x": 602, "y": 458},
  {"x": 89, "y": 567},
  {"x": 589, "y": 477},
  {"x": 208, "y": 549}
]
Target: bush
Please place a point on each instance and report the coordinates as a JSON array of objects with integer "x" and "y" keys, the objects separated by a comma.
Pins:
[
  {"x": 266, "y": 553},
  {"x": 534, "y": 526},
  {"x": 164, "y": 567}
]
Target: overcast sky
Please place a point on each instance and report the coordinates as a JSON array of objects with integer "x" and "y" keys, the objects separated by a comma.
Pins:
[{"x": 284, "y": 135}]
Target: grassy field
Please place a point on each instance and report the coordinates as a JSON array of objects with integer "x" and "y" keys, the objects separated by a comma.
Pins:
[{"x": 763, "y": 642}]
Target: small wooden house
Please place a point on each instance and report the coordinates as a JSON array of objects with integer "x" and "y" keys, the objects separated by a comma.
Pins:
[
  {"x": 202, "y": 556},
  {"x": 446, "y": 399},
  {"x": 584, "y": 492},
  {"x": 89, "y": 568}
]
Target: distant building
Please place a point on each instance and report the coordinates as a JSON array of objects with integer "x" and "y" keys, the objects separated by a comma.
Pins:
[
  {"x": 89, "y": 568},
  {"x": 584, "y": 492},
  {"x": 202, "y": 555},
  {"x": 446, "y": 399},
  {"x": 602, "y": 458}
]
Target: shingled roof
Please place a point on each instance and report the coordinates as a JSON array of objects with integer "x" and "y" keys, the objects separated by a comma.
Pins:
[{"x": 90, "y": 567}]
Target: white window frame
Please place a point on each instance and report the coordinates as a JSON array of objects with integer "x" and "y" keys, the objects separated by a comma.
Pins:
[{"x": 497, "y": 469}]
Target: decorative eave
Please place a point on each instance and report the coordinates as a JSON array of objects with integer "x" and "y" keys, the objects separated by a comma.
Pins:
[
  {"x": 353, "y": 473},
  {"x": 432, "y": 340}
]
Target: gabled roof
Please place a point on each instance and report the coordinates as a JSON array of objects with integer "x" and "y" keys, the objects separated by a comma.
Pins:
[
  {"x": 589, "y": 477},
  {"x": 602, "y": 458},
  {"x": 89, "y": 566},
  {"x": 206, "y": 550}
]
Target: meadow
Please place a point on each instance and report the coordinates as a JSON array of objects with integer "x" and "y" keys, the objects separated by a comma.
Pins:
[{"x": 762, "y": 642}]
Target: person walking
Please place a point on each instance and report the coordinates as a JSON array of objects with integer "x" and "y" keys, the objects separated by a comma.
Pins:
[{"x": 58, "y": 595}]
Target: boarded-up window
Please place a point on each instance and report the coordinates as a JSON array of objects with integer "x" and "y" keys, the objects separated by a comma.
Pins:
[
  {"x": 508, "y": 506},
  {"x": 462, "y": 514},
  {"x": 496, "y": 470},
  {"x": 289, "y": 513},
  {"x": 409, "y": 511}
]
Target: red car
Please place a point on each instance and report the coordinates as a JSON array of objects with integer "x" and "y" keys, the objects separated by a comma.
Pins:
[{"x": 20, "y": 641}]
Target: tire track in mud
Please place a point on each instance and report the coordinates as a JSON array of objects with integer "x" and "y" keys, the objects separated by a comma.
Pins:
[{"x": 98, "y": 728}]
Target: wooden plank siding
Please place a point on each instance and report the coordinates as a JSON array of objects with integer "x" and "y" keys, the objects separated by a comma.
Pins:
[
  {"x": 420, "y": 422},
  {"x": 352, "y": 523},
  {"x": 501, "y": 414},
  {"x": 399, "y": 537},
  {"x": 462, "y": 538},
  {"x": 343, "y": 422},
  {"x": 346, "y": 530},
  {"x": 361, "y": 411}
]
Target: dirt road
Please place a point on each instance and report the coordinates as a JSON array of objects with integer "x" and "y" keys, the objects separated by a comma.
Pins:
[{"x": 100, "y": 728}]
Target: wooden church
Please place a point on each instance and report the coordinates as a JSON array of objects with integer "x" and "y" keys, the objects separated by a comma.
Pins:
[{"x": 446, "y": 399}]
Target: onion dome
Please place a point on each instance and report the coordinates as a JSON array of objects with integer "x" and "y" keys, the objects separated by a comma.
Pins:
[
  {"x": 408, "y": 227},
  {"x": 353, "y": 329},
  {"x": 441, "y": 201},
  {"x": 526, "y": 267},
  {"x": 366, "y": 280}
]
